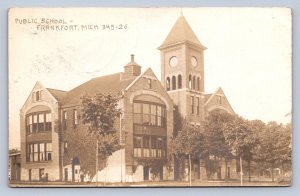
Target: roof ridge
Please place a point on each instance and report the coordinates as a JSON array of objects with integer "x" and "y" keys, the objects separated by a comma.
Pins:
[
  {"x": 56, "y": 89},
  {"x": 105, "y": 76}
]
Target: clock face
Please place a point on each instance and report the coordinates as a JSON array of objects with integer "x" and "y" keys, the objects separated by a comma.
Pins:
[
  {"x": 194, "y": 61},
  {"x": 173, "y": 61}
]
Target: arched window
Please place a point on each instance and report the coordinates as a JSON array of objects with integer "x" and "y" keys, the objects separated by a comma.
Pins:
[
  {"x": 168, "y": 83},
  {"x": 194, "y": 82},
  {"x": 179, "y": 82},
  {"x": 198, "y": 83},
  {"x": 190, "y": 81},
  {"x": 173, "y": 83}
]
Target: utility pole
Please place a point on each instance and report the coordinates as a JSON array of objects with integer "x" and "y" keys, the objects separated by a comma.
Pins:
[
  {"x": 190, "y": 169},
  {"x": 190, "y": 164},
  {"x": 97, "y": 163},
  {"x": 121, "y": 146},
  {"x": 241, "y": 170},
  {"x": 241, "y": 161}
]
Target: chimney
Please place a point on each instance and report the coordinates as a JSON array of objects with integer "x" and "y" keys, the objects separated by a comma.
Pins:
[{"x": 132, "y": 69}]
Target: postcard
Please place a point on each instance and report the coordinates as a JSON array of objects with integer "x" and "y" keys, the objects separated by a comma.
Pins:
[{"x": 150, "y": 97}]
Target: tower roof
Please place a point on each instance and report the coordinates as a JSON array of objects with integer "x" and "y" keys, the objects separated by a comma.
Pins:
[{"x": 181, "y": 32}]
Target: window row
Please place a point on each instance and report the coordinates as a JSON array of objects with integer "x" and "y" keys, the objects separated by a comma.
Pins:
[
  {"x": 195, "y": 105},
  {"x": 149, "y": 114},
  {"x": 174, "y": 84},
  {"x": 37, "y": 152},
  {"x": 38, "y": 122},
  {"x": 149, "y": 146},
  {"x": 65, "y": 119},
  {"x": 194, "y": 83}
]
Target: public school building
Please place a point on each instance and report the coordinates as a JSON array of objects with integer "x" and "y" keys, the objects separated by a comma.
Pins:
[{"x": 55, "y": 145}]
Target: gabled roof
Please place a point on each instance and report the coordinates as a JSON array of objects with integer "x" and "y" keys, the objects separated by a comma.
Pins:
[
  {"x": 181, "y": 32},
  {"x": 105, "y": 84},
  {"x": 219, "y": 91},
  {"x": 57, "y": 94},
  {"x": 207, "y": 96}
]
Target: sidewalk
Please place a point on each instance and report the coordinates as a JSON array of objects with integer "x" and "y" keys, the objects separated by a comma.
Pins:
[{"x": 148, "y": 184}]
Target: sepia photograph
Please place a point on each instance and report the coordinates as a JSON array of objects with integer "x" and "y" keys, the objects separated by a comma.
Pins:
[{"x": 150, "y": 97}]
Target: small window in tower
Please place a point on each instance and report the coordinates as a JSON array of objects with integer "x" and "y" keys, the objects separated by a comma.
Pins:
[
  {"x": 168, "y": 84},
  {"x": 190, "y": 81},
  {"x": 194, "y": 82},
  {"x": 192, "y": 104},
  {"x": 198, "y": 105},
  {"x": 65, "y": 147},
  {"x": 198, "y": 83},
  {"x": 179, "y": 82},
  {"x": 173, "y": 83}
]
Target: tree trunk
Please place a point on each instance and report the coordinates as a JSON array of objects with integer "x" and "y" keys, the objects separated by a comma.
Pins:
[
  {"x": 282, "y": 170},
  {"x": 190, "y": 170},
  {"x": 272, "y": 172},
  {"x": 249, "y": 169},
  {"x": 241, "y": 170},
  {"x": 105, "y": 172},
  {"x": 97, "y": 163},
  {"x": 226, "y": 171}
]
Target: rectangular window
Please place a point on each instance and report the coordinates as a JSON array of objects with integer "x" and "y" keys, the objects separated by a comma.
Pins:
[
  {"x": 37, "y": 95},
  {"x": 163, "y": 117},
  {"x": 153, "y": 146},
  {"x": 35, "y": 123},
  {"x": 41, "y": 121},
  {"x": 146, "y": 146},
  {"x": 35, "y": 152},
  {"x": 42, "y": 152},
  {"x": 219, "y": 100},
  {"x": 31, "y": 152},
  {"x": 198, "y": 105},
  {"x": 192, "y": 104},
  {"x": 48, "y": 124},
  {"x": 146, "y": 114},
  {"x": 153, "y": 115},
  {"x": 75, "y": 118},
  {"x": 137, "y": 113},
  {"x": 65, "y": 147},
  {"x": 29, "y": 124},
  {"x": 137, "y": 146},
  {"x": 159, "y": 147},
  {"x": 159, "y": 115},
  {"x": 149, "y": 83},
  {"x": 64, "y": 120},
  {"x": 48, "y": 151}
]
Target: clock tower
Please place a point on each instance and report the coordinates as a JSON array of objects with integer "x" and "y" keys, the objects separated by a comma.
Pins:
[{"x": 182, "y": 70}]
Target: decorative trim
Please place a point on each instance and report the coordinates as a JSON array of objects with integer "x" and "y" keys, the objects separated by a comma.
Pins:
[
  {"x": 218, "y": 107},
  {"x": 149, "y": 92}
]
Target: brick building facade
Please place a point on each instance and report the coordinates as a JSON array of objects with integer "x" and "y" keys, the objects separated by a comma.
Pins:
[{"x": 55, "y": 144}]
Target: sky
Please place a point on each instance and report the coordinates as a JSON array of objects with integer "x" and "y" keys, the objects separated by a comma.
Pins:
[{"x": 248, "y": 52}]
